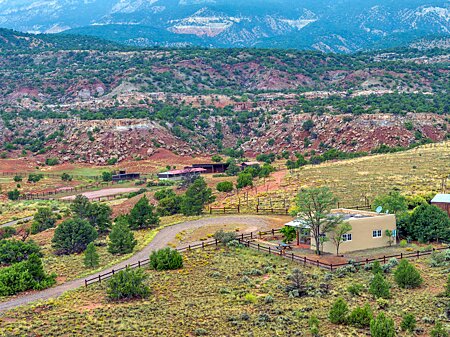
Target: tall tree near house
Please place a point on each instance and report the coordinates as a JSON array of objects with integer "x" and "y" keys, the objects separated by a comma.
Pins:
[
  {"x": 313, "y": 206},
  {"x": 337, "y": 234}
]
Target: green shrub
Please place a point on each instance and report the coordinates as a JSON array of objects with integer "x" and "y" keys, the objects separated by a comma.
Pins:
[
  {"x": 127, "y": 284},
  {"x": 66, "y": 177},
  {"x": 14, "y": 251},
  {"x": 408, "y": 323},
  {"x": 224, "y": 237},
  {"x": 7, "y": 232},
  {"x": 25, "y": 275},
  {"x": 166, "y": 259},
  {"x": 73, "y": 236},
  {"x": 447, "y": 287},
  {"x": 43, "y": 219},
  {"x": 440, "y": 258},
  {"x": 91, "y": 256},
  {"x": 376, "y": 267},
  {"x": 407, "y": 276},
  {"x": 361, "y": 317},
  {"x": 382, "y": 326},
  {"x": 107, "y": 176},
  {"x": 338, "y": 312},
  {"x": 14, "y": 194},
  {"x": 403, "y": 243},
  {"x": 225, "y": 186},
  {"x": 313, "y": 323},
  {"x": 250, "y": 298},
  {"x": 355, "y": 289},
  {"x": 244, "y": 180},
  {"x": 439, "y": 330},
  {"x": 35, "y": 177},
  {"x": 51, "y": 161},
  {"x": 379, "y": 287}
]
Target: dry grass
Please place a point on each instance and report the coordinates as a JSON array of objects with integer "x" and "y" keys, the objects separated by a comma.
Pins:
[{"x": 209, "y": 295}]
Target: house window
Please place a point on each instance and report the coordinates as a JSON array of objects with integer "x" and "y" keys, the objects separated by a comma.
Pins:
[
  {"x": 376, "y": 233},
  {"x": 346, "y": 237}
]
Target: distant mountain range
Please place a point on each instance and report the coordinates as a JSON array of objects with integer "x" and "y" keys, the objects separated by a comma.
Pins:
[{"x": 326, "y": 25}]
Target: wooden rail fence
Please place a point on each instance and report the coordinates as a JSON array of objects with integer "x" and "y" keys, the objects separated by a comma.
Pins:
[{"x": 247, "y": 241}]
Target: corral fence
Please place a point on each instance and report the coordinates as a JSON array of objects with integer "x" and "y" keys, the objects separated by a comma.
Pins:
[
  {"x": 333, "y": 267},
  {"x": 247, "y": 241},
  {"x": 48, "y": 175},
  {"x": 47, "y": 194},
  {"x": 145, "y": 262}
]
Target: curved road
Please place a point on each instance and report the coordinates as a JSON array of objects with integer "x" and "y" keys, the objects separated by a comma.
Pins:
[{"x": 161, "y": 240}]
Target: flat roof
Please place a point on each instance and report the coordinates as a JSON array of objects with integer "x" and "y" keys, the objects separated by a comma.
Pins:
[
  {"x": 445, "y": 198},
  {"x": 187, "y": 170}
]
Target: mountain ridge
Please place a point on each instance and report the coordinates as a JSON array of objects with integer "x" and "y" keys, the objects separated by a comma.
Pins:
[{"x": 333, "y": 26}]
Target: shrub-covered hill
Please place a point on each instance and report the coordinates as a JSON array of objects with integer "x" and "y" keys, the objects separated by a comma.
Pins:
[{"x": 229, "y": 293}]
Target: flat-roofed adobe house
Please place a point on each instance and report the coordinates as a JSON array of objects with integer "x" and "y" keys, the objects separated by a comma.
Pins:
[
  {"x": 180, "y": 174},
  {"x": 368, "y": 231},
  {"x": 442, "y": 201}
]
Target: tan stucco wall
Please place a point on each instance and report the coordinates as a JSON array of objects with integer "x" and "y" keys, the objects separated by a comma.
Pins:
[{"x": 362, "y": 234}]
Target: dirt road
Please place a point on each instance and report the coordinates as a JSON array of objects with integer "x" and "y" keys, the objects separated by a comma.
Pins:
[{"x": 160, "y": 241}]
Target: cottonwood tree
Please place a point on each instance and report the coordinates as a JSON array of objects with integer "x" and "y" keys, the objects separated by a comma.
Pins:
[
  {"x": 337, "y": 234},
  {"x": 313, "y": 207}
]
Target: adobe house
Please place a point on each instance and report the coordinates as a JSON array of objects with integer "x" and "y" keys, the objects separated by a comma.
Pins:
[
  {"x": 368, "y": 231},
  {"x": 442, "y": 201}
]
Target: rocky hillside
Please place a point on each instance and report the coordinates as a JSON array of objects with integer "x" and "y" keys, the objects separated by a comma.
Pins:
[
  {"x": 326, "y": 25},
  {"x": 99, "y": 142}
]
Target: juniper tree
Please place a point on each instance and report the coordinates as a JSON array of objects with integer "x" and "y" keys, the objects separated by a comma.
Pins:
[{"x": 90, "y": 256}]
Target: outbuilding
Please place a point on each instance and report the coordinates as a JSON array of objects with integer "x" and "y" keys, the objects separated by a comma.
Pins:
[
  {"x": 442, "y": 201},
  {"x": 181, "y": 174}
]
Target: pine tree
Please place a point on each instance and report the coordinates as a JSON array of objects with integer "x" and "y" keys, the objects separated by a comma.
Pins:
[
  {"x": 196, "y": 197},
  {"x": 90, "y": 256},
  {"x": 121, "y": 238},
  {"x": 338, "y": 312},
  {"x": 407, "y": 276},
  {"x": 379, "y": 287},
  {"x": 382, "y": 326},
  {"x": 143, "y": 215}
]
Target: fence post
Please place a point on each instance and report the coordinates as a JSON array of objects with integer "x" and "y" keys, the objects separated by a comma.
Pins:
[
  {"x": 273, "y": 232},
  {"x": 242, "y": 236},
  {"x": 189, "y": 248},
  {"x": 113, "y": 271},
  {"x": 318, "y": 263},
  {"x": 216, "y": 242},
  {"x": 251, "y": 235},
  {"x": 139, "y": 264},
  {"x": 99, "y": 278},
  {"x": 85, "y": 283},
  {"x": 239, "y": 208},
  {"x": 418, "y": 254},
  {"x": 401, "y": 256},
  {"x": 203, "y": 245},
  {"x": 258, "y": 246},
  {"x": 292, "y": 256},
  {"x": 331, "y": 267},
  {"x": 304, "y": 261}
]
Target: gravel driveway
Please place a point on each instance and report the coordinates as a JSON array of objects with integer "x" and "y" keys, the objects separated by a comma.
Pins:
[{"x": 160, "y": 241}]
